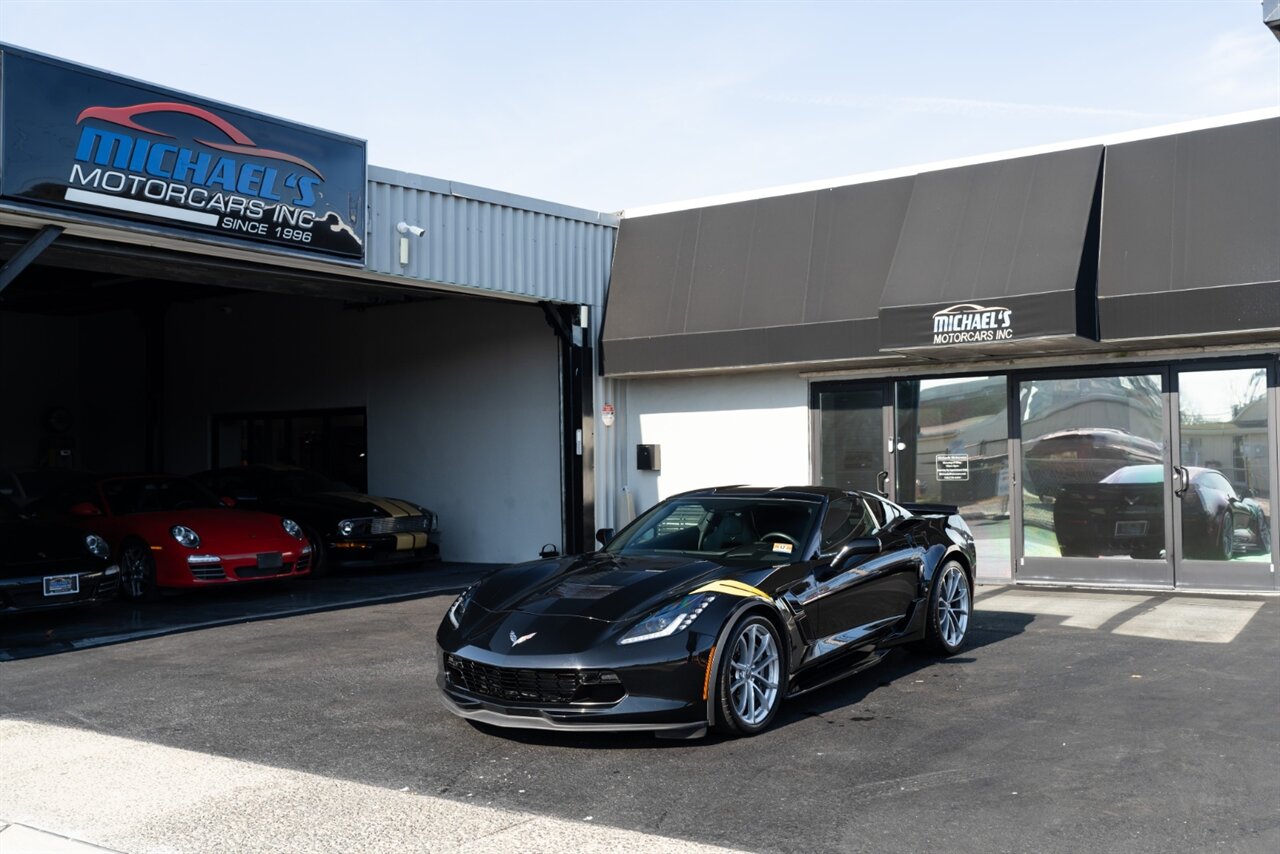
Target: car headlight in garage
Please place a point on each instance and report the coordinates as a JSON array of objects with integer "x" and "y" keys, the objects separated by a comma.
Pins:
[
  {"x": 665, "y": 622},
  {"x": 460, "y": 604},
  {"x": 97, "y": 546},
  {"x": 292, "y": 528},
  {"x": 185, "y": 536},
  {"x": 347, "y": 527}
]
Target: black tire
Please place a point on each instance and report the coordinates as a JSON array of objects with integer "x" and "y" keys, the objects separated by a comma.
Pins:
[
  {"x": 950, "y": 610},
  {"x": 739, "y": 698},
  {"x": 138, "y": 572},
  {"x": 319, "y": 554}
]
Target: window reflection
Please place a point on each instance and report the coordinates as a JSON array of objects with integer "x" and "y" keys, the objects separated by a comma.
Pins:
[
  {"x": 1226, "y": 509},
  {"x": 1093, "y": 477}
]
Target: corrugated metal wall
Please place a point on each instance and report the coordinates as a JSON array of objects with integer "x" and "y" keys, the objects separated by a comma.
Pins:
[{"x": 489, "y": 240}]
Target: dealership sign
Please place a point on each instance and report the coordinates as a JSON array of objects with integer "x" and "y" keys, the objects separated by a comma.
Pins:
[
  {"x": 967, "y": 323},
  {"x": 80, "y": 140}
]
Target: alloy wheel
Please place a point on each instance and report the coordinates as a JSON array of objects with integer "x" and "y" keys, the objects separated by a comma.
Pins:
[
  {"x": 953, "y": 606},
  {"x": 753, "y": 682},
  {"x": 133, "y": 571}
]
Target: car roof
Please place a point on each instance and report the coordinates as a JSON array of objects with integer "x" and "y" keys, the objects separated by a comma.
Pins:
[{"x": 806, "y": 493}]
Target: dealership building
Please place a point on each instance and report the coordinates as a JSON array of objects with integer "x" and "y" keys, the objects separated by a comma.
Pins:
[{"x": 1077, "y": 346}]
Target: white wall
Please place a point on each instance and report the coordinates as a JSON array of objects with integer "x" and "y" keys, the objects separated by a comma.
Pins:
[
  {"x": 462, "y": 399},
  {"x": 712, "y": 431}
]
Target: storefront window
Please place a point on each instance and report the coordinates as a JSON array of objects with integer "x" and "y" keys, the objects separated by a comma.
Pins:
[
  {"x": 953, "y": 448},
  {"x": 851, "y": 427},
  {"x": 1093, "y": 472}
]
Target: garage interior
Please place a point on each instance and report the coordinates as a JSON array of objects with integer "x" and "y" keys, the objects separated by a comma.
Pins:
[{"x": 126, "y": 358}]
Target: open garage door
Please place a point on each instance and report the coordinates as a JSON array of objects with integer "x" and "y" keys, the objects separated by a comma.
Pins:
[{"x": 121, "y": 358}]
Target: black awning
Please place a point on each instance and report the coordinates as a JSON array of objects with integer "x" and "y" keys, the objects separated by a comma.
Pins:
[
  {"x": 1190, "y": 242},
  {"x": 997, "y": 257},
  {"x": 783, "y": 280}
]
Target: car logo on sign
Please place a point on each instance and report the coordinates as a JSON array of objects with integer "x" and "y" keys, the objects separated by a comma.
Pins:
[{"x": 516, "y": 641}]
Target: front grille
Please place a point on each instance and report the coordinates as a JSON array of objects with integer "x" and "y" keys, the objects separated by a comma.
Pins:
[
  {"x": 304, "y": 562},
  {"x": 527, "y": 685},
  {"x": 109, "y": 585},
  {"x": 208, "y": 572},
  {"x": 399, "y": 524}
]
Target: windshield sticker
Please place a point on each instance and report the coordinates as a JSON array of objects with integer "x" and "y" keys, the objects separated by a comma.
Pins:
[{"x": 784, "y": 548}]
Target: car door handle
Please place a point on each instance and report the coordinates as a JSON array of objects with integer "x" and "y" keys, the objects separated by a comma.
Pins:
[
  {"x": 1184, "y": 480},
  {"x": 882, "y": 483}
]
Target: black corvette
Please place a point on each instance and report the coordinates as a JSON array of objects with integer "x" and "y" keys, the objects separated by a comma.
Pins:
[
  {"x": 708, "y": 610},
  {"x": 48, "y": 565},
  {"x": 346, "y": 528}
]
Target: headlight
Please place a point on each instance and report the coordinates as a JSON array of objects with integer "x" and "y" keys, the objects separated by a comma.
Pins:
[
  {"x": 291, "y": 528},
  {"x": 347, "y": 527},
  {"x": 460, "y": 604},
  {"x": 665, "y": 622},
  {"x": 97, "y": 546},
  {"x": 185, "y": 536}
]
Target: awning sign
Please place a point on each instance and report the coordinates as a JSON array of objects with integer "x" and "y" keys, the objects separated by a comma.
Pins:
[
  {"x": 81, "y": 140},
  {"x": 952, "y": 466}
]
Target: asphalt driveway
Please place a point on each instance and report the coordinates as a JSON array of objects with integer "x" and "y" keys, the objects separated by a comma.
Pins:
[{"x": 1073, "y": 721}]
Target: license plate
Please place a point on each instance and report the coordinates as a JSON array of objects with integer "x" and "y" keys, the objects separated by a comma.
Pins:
[
  {"x": 271, "y": 560},
  {"x": 61, "y": 585},
  {"x": 1131, "y": 529}
]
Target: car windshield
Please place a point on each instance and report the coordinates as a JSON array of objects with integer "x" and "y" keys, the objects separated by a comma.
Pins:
[
  {"x": 1136, "y": 474},
  {"x": 728, "y": 528},
  {"x": 155, "y": 495},
  {"x": 303, "y": 482}
]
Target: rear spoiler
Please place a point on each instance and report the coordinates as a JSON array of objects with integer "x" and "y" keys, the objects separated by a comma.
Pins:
[{"x": 931, "y": 509}]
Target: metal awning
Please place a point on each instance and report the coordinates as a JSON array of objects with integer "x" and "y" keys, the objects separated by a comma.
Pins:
[
  {"x": 793, "y": 279},
  {"x": 1190, "y": 242},
  {"x": 996, "y": 258}
]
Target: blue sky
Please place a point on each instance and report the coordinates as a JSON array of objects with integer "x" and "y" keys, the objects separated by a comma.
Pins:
[{"x": 616, "y": 105}]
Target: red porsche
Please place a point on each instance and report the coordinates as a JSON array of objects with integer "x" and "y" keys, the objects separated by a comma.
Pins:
[{"x": 170, "y": 532}]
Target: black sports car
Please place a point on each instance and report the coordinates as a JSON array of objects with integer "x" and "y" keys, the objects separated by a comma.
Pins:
[
  {"x": 48, "y": 565},
  {"x": 345, "y": 527},
  {"x": 708, "y": 610},
  {"x": 1124, "y": 514}
]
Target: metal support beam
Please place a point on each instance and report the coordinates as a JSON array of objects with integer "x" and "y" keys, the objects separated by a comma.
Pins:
[{"x": 29, "y": 252}]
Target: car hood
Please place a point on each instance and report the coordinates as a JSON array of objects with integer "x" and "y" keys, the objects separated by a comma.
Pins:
[
  {"x": 598, "y": 586},
  {"x": 27, "y": 543}
]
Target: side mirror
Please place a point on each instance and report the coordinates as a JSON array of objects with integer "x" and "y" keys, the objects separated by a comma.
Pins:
[
  {"x": 84, "y": 508},
  {"x": 549, "y": 551},
  {"x": 227, "y": 501},
  {"x": 604, "y": 535}
]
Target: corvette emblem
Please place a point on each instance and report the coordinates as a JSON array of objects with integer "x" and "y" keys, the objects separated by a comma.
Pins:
[{"x": 516, "y": 641}]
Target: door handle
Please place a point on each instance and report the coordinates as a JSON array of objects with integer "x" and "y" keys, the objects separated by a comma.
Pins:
[
  {"x": 882, "y": 483},
  {"x": 1184, "y": 480}
]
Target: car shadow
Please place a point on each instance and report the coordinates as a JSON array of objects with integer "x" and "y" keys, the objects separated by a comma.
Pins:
[
  {"x": 36, "y": 634},
  {"x": 987, "y": 629}
]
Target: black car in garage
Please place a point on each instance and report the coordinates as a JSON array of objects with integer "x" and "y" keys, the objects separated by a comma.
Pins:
[
  {"x": 48, "y": 565},
  {"x": 346, "y": 528}
]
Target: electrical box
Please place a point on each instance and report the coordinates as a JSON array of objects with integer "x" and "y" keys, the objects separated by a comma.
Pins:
[{"x": 649, "y": 457}]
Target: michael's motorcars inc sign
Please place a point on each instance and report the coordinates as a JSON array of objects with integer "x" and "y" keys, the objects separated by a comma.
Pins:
[{"x": 82, "y": 140}]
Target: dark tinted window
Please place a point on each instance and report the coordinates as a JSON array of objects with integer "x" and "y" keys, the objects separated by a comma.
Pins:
[
  {"x": 155, "y": 494},
  {"x": 846, "y": 519}
]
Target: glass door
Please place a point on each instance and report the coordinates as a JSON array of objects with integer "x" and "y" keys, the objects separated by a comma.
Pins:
[
  {"x": 1095, "y": 479},
  {"x": 953, "y": 448},
  {"x": 1224, "y": 461},
  {"x": 851, "y": 424}
]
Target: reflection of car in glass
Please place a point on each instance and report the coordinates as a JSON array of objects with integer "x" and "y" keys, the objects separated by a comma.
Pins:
[
  {"x": 345, "y": 527},
  {"x": 709, "y": 609},
  {"x": 171, "y": 532},
  {"x": 1085, "y": 455},
  {"x": 1124, "y": 514},
  {"x": 47, "y": 565}
]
